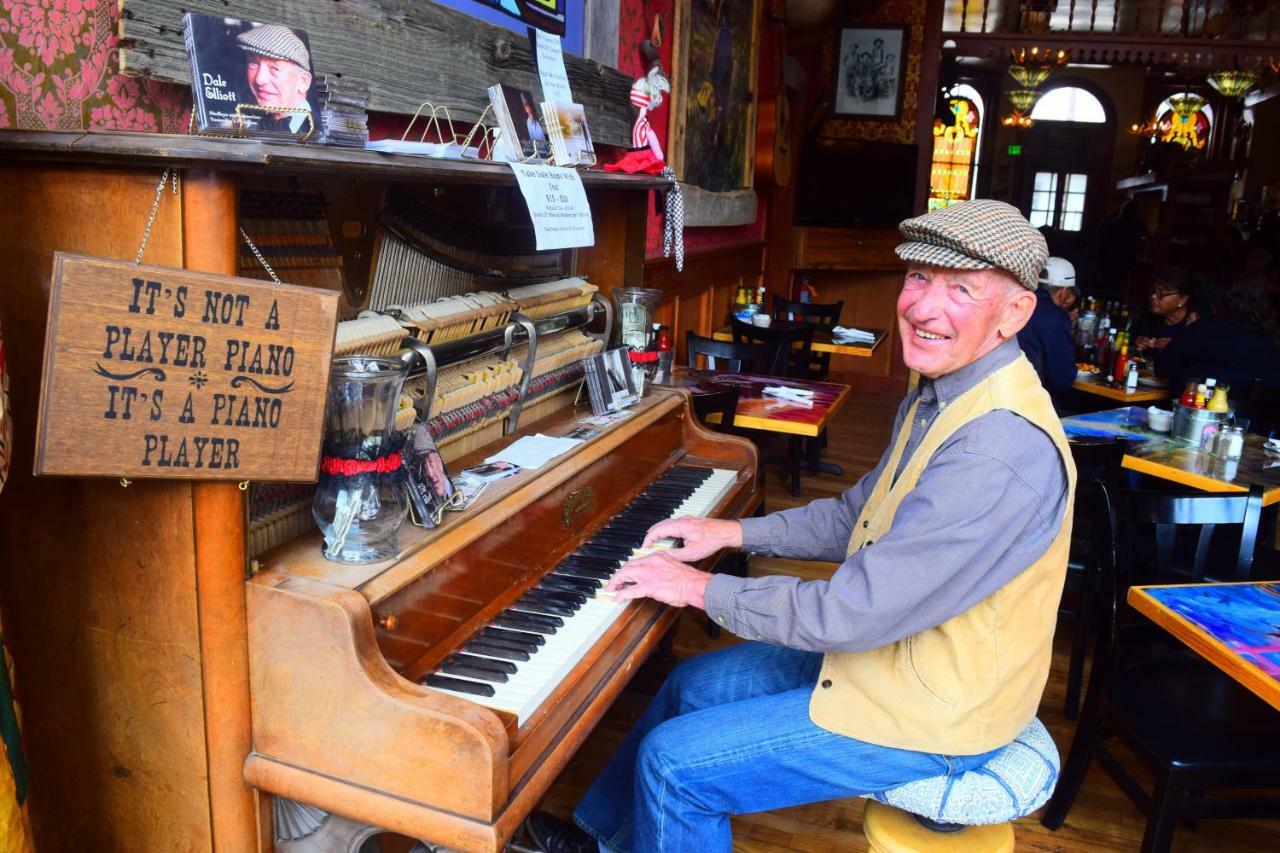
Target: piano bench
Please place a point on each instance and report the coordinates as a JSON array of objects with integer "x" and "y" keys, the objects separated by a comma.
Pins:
[{"x": 970, "y": 812}]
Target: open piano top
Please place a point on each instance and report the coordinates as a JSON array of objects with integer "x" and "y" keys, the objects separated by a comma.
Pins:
[{"x": 375, "y": 688}]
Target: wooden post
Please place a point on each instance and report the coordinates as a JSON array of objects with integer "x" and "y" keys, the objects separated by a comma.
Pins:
[{"x": 209, "y": 236}]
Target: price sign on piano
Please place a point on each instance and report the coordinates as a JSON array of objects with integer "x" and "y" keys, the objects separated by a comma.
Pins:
[{"x": 167, "y": 373}]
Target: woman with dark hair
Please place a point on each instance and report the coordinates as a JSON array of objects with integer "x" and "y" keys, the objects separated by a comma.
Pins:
[
  {"x": 1170, "y": 309},
  {"x": 1237, "y": 343}
]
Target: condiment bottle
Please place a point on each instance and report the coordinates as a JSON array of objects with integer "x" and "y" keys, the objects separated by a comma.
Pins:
[
  {"x": 1199, "y": 401},
  {"x": 1188, "y": 397},
  {"x": 1122, "y": 364},
  {"x": 1235, "y": 443},
  {"x": 1218, "y": 403},
  {"x": 1131, "y": 378}
]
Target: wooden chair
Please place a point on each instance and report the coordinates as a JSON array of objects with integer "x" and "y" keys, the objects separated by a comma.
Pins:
[
  {"x": 723, "y": 402},
  {"x": 823, "y": 315},
  {"x": 1193, "y": 726},
  {"x": 736, "y": 357},
  {"x": 1095, "y": 459},
  {"x": 784, "y": 340}
]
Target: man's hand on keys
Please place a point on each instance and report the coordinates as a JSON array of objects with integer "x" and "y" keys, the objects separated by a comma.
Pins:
[
  {"x": 702, "y": 536},
  {"x": 661, "y": 577}
]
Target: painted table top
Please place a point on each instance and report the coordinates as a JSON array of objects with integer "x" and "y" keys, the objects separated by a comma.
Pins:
[
  {"x": 757, "y": 410},
  {"x": 1235, "y": 626}
]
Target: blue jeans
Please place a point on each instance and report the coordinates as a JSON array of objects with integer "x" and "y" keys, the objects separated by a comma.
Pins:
[{"x": 729, "y": 733}]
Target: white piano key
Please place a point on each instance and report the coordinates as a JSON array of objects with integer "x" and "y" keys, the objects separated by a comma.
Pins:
[{"x": 536, "y": 678}]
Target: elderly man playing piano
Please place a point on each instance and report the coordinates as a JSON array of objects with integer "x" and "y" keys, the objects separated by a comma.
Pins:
[{"x": 928, "y": 649}]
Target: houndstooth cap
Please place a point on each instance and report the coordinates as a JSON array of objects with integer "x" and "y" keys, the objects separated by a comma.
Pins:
[
  {"x": 276, "y": 42},
  {"x": 981, "y": 234}
]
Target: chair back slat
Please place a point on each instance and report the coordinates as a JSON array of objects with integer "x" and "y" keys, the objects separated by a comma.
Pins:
[
  {"x": 786, "y": 359},
  {"x": 1200, "y": 559},
  {"x": 729, "y": 356},
  {"x": 723, "y": 402},
  {"x": 821, "y": 314}
]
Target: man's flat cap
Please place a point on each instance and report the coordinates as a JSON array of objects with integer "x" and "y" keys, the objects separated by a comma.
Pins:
[
  {"x": 276, "y": 42},
  {"x": 981, "y": 234}
]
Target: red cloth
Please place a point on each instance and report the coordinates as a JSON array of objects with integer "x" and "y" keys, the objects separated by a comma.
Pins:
[
  {"x": 350, "y": 467},
  {"x": 642, "y": 161}
]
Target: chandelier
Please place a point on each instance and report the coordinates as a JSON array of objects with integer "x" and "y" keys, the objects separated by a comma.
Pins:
[
  {"x": 1035, "y": 57},
  {"x": 1186, "y": 104},
  {"x": 1235, "y": 83},
  {"x": 1022, "y": 99},
  {"x": 1029, "y": 77},
  {"x": 1018, "y": 120},
  {"x": 1144, "y": 129}
]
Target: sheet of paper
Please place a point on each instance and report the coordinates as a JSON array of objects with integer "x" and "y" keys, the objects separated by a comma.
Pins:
[
  {"x": 557, "y": 205},
  {"x": 534, "y": 451},
  {"x": 555, "y": 82}
]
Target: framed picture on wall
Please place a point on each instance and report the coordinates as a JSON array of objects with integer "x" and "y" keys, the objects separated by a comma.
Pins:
[
  {"x": 870, "y": 69},
  {"x": 711, "y": 143}
]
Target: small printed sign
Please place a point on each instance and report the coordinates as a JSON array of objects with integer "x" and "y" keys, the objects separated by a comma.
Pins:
[
  {"x": 557, "y": 205},
  {"x": 166, "y": 373}
]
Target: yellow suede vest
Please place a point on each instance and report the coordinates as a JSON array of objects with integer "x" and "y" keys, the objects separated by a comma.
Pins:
[{"x": 972, "y": 683}]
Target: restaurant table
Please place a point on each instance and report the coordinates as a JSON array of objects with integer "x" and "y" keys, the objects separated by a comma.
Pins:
[
  {"x": 757, "y": 410},
  {"x": 1234, "y": 626},
  {"x": 1155, "y": 454},
  {"x": 1094, "y": 383},
  {"x": 822, "y": 341}
]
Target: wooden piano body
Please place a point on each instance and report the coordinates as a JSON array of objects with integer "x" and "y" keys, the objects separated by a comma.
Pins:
[
  {"x": 163, "y": 688},
  {"x": 339, "y": 720}
]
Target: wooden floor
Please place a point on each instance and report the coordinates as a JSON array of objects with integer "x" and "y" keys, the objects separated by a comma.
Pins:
[{"x": 1102, "y": 819}]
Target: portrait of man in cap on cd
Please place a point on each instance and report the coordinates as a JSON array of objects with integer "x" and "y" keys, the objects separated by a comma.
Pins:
[{"x": 265, "y": 69}]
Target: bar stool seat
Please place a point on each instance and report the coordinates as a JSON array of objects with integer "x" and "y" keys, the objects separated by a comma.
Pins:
[{"x": 969, "y": 812}]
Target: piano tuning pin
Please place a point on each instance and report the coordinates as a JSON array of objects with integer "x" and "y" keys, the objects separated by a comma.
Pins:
[{"x": 388, "y": 622}]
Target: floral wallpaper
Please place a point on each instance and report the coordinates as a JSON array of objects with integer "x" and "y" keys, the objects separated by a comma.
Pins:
[{"x": 59, "y": 71}]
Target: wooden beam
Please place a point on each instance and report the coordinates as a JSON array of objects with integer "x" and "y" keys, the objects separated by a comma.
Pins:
[{"x": 410, "y": 51}]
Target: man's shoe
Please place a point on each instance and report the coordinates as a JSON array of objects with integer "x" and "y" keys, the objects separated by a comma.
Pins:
[{"x": 550, "y": 834}]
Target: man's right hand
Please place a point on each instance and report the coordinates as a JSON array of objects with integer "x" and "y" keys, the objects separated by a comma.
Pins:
[{"x": 702, "y": 536}]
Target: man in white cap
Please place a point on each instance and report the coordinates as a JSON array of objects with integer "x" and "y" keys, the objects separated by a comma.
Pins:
[
  {"x": 1046, "y": 339},
  {"x": 279, "y": 72},
  {"x": 927, "y": 651}
]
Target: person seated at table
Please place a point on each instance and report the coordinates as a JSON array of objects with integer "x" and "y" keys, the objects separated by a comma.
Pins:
[
  {"x": 953, "y": 552},
  {"x": 1046, "y": 339},
  {"x": 1171, "y": 307},
  {"x": 1237, "y": 342}
]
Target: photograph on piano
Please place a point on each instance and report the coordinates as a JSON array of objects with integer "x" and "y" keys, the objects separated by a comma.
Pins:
[
  {"x": 427, "y": 482},
  {"x": 609, "y": 381}
]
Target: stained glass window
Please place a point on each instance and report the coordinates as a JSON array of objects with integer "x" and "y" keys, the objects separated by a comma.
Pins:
[
  {"x": 1186, "y": 119},
  {"x": 954, "y": 170}
]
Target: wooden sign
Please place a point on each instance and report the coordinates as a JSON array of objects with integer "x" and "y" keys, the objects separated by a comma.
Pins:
[{"x": 161, "y": 372}]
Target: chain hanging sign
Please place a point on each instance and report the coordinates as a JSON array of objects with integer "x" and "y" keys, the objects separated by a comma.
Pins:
[{"x": 167, "y": 373}]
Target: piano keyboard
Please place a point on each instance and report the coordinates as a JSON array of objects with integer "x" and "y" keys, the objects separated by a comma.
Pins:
[{"x": 519, "y": 659}]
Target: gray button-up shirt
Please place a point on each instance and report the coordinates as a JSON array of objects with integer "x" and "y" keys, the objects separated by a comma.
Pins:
[{"x": 986, "y": 506}]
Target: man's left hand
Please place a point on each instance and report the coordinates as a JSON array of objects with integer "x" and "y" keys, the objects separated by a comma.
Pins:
[{"x": 662, "y": 578}]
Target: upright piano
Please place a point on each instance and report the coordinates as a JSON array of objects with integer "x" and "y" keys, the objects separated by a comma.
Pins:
[{"x": 439, "y": 694}]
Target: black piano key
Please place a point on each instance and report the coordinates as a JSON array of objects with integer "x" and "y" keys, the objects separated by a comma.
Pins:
[
  {"x": 583, "y": 574},
  {"x": 480, "y": 647},
  {"x": 581, "y": 561},
  {"x": 620, "y": 554},
  {"x": 533, "y": 605},
  {"x": 563, "y": 584},
  {"x": 609, "y": 539},
  {"x": 515, "y": 645},
  {"x": 484, "y": 663},
  {"x": 476, "y": 672},
  {"x": 505, "y": 634},
  {"x": 567, "y": 597},
  {"x": 536, "y": 619},
  {"x": 458, "y": 684}
]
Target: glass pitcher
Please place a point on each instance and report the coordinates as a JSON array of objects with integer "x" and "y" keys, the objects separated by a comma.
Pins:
[
  {"x": 360, "y": 500},
  {"x": 636, "y": 306}
]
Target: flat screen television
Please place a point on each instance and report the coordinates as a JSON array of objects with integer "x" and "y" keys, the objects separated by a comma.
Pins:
[{"x": 856, "y": 185}]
